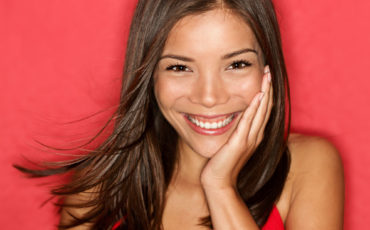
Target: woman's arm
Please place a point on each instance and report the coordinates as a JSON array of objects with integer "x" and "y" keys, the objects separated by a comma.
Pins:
[
  {"x": 317, "y": 198},
  {"x": 229, "y": 211},
  {"x": 219, "y": 176}
]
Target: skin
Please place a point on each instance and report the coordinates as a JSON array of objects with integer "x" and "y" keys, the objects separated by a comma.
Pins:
[{"x": 208, "y": 82}]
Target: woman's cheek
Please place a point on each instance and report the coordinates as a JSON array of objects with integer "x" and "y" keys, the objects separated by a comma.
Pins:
[
  {"x": 168, "y": 89},
  {"x": 246, "y": 88}
]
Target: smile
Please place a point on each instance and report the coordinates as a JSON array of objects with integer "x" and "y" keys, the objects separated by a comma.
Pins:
[{"x": 210, "y": 125}]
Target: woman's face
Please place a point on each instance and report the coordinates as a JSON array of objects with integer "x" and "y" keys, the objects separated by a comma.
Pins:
[{"x": 210, "y": 70}]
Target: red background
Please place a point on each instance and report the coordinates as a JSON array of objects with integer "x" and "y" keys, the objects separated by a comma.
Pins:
[{"x": 62, "y": 60}]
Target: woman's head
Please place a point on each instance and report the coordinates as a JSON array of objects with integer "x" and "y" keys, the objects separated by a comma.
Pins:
[
  {"x": 205, "y": 32},
  {"x": 210, "y": 69}
]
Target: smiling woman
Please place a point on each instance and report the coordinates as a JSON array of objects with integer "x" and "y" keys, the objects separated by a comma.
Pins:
[
  {"x": 200, "y": 139},
  {"x": 210, "y": 70}
]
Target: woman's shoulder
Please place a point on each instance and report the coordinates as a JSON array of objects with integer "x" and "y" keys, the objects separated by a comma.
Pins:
[
  {"x": 315, "y": 184},
  {"x": 311, "y": 153},
  {"x": 304, "y": 149},
  {"x": 313, "y": 159}
]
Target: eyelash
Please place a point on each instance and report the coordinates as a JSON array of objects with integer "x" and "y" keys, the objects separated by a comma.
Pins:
[
  {"x": 239, "y": 62},
  {"x": 235, "y": 65},
  {"x": 176, "y": 68}
]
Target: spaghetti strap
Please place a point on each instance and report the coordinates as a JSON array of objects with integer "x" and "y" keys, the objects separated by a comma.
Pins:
[{"x": 116, "y": 225}]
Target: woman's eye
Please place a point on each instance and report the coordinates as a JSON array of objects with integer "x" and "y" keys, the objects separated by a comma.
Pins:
[
  {"x": 178, "y": 68},
  {"x": 239, "y": 65}
]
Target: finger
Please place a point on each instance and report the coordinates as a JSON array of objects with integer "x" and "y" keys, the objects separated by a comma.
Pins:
[
  {"x": 268, "y": 114},
  {"x": 257, "y": 124},
  {"x": 236, "y": 146},
  {"x": 240, "y": 136}
]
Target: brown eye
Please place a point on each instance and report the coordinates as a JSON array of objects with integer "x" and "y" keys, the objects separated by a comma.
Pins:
[
  {"x": 239, "y": 64},
  {"x": 178, "y": 68}
]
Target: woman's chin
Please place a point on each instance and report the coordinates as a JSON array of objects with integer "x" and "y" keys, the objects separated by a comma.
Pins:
[
  {"x": 206, "y": 151},
  {"x": 206, "y": 147}
]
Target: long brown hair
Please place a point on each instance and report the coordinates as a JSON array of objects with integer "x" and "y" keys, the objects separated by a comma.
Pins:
[{"x": 133, "y": 167}]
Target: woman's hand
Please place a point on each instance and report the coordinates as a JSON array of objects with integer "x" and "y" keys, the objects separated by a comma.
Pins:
[{"x": 222, "y": 169}]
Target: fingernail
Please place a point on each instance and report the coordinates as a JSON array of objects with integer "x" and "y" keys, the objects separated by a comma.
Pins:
[
  {"x": 269, "y": 77},
  {"x": 261, "y": 96},
  {"x": 267, "y": 69}
]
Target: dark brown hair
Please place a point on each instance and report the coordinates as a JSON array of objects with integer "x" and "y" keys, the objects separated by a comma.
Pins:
[{"x": 132, "y": 168}]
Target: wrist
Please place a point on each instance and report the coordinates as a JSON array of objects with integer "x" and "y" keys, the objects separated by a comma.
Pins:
[
  {"x": 220, "y": 191},
  {"x": 217, "y": 184},
  {"x": 228, "y": 209}
]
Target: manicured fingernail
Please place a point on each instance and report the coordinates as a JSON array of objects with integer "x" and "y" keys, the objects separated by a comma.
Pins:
[
  {"x": 267, "y": 69},
  {"x": 261, "y": 96}
]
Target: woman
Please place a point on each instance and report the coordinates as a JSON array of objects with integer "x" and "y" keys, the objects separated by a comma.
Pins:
[{"x": 200, "y": 139}]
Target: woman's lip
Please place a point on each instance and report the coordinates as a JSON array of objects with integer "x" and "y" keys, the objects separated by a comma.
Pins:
[
  {"x": 209, "y": 116},
  {"x": 212, "y": 132}
]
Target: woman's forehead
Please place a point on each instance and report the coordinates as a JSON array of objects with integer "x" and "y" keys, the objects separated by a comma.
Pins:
[{"x": 216, "y": 30}]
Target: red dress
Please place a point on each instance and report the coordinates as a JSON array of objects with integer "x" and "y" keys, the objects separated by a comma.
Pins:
[{"x": 274, "y": 222}]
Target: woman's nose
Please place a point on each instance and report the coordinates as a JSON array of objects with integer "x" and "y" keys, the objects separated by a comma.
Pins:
[{"x": 209, "y": 90}]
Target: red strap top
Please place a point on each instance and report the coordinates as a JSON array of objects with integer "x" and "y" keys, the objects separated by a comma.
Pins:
[
  {"x": 274, "y": 222},
  {"x": 116, "y": 225}
]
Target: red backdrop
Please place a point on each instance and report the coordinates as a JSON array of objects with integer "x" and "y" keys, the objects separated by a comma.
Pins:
[{"x": 62, "y": 60}]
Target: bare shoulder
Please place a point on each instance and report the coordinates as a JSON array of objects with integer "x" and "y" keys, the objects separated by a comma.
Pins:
[
  {"x": 313, "y": 152},
  {"x": 317, "y": 184}
]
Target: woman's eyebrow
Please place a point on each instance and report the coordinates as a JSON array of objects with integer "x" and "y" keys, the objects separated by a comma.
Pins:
[
  {"x": 178, "y": 57},
  {"x": 238, "y": 52},
  {"x": 226, "y": 56}
]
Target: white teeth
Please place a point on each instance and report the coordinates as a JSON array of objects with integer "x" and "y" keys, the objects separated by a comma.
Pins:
[{"x": 211, "y": 125}]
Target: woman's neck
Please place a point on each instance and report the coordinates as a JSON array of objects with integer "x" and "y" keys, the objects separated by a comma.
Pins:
[
  {"x": 189, "y": 168},
  {"x": 185, "y": 189}
]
